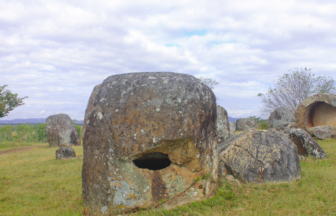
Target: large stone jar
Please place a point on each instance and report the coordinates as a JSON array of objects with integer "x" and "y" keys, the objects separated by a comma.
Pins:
[
  {"x": 223, "y": 126},
  {"x": 317, "y": 115},
  {"x": 61, "y": 131},
  {"x": 148, "y": 138}
]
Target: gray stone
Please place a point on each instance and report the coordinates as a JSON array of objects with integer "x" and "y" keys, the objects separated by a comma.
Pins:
[
  {"x": 148, "y": 136},
  {"x": 245, "y": 124},
  {"x": 61, "y": 131},
  {"x": 90, "y": 106},
  {"x": 223, "y": 127},
  {"x": 232, "y": 128},
  {"x": 65, "y": 152},
  {"x": 306, "y": 144},
  {"x": 324, "y": 132},
  {"x": 261, "y": 156},
  {"x": 281, "y": 117}
]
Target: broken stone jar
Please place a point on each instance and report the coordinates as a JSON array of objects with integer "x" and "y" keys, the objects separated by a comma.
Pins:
[
  {"x": 317, "y": 115},
  {"x": 150, "y": 140}
]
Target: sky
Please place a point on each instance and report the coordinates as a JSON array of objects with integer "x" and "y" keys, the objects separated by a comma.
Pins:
[{"x": 55, "y": 52}]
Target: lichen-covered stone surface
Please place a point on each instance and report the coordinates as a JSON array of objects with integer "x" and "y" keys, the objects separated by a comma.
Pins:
[
  {"x": 317, "y": 110},
  {"x": 61, "y": 131},
  {"x": 245, "y": 124},
  {"x": 259, "y": 156},
  {"x": 306, "y": 144},
  {"x": 148, "y": 137},
  {"x": 90, "y": 106},
  {"x": 65, "y": 152},
  {"x": 232, "y": 128},
  {"x": 324, "y": 132},
  {"x": 223, "y": 126},
  {"x": 281, "y": 117}
]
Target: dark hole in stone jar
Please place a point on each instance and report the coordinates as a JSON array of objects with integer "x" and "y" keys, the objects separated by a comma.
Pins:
[{"x": 153, "y": 161}]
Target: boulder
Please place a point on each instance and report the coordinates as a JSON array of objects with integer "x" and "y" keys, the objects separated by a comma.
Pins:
[
  {"x": 281, "y": 117},
  {"x": 245, "y": 123},
  {"x": 148, "y": 138},
  {"x": 306, "y": 144},
  {"x": 90, "y": 106},
  {"x": 260, "y": 156},
  {"x": 61, "y": 130},
  {"x": 223, "y": 127},
  {"x": 324, "y": 132},
  {"x": 317, "y": 115},
  {"x": 232, "y": 128},
  {"x": 65, "y": 151}
]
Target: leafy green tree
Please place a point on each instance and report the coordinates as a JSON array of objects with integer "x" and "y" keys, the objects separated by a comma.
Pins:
[
  {"x": 9, "y": 101},
  {"x": 2, "y": 133},
  {"x": 292, "y": 88},
  {"x": 262, "y": 123},
  {"x": 8, "y": 132},
  {"x": 20, "y": 131},
  {"x": 42, "y": 133},
  {"x": 79, "y": 130}
]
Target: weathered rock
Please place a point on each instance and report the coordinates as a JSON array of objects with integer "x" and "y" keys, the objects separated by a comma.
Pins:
[
  {"x": 65, "y": 152},
  {"x": 90, "y": 107},
  {"x": 245, "y": 123},
  {"x": 148, "y": 137},
  {"x": 259, "y": 156},
  {"x": 223, "y": 127},
  {"x": 306, "y": 144},
  {"x": 61, "y": 131},
  {"x": 317, "y": 110},
  {"x": 281, "y": 117},
  {"x": 324, "y": 132},
  {"x": 232, "y": 128}
]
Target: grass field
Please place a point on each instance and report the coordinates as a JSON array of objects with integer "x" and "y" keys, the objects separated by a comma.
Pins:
[
  {"x": 17, "y": 144},
  {"x": 34, "y": 183}
]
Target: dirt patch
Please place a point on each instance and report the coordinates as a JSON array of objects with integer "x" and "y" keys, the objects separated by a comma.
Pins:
[{"x": 18, "y": 150}]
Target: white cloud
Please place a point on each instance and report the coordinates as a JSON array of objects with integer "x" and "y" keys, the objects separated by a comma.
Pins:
[{"x": 57, "y": 51}]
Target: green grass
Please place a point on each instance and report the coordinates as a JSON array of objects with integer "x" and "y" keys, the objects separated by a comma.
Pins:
[
  {"x": 6, "y": 145},
  {"x": 34, "y": 183}
]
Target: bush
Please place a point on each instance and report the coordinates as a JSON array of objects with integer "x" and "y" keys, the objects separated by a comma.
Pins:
[
  {"x": 79, "y": 130},
  {"x": 263, "y": 125}
]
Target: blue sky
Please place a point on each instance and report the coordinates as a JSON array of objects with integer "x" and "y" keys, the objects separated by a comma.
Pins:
[{"x": 55, "y": 52}]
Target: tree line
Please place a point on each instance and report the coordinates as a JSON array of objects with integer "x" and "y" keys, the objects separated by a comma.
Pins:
[{"x": 28, "y": 133}]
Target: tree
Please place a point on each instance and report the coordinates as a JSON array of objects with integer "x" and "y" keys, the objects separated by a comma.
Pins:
[
  {"x": 42, "y": 133},
  {"x": 6, "y": 132},
  {"x": 9, "y": 101},
  {"x": 292, "y": 88},
  {"x": 208, "y": 81}
]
